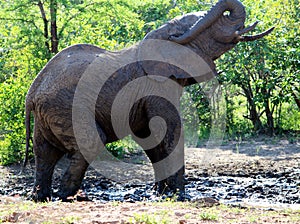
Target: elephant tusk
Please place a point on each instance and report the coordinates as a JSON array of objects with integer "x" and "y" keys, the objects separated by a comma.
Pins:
[
  {"x": 255, "y": 37},
  {"x": 247, "y": 29}
]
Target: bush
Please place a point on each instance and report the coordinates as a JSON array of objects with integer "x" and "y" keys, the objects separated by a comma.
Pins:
[
  {"x": 12, "y": 95},
  {"x": 122, "y": 147}
]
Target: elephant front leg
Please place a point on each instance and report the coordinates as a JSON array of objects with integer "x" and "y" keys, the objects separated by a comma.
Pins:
[
  {"x": 73, "y": 176},
  {"x": 172, "y": 185},
  {"x": 162, "y": 139},
  {"x": 168, "y": 162}
]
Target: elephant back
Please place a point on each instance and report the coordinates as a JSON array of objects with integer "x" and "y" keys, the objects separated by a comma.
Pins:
[{"x": 63, "y": 70}]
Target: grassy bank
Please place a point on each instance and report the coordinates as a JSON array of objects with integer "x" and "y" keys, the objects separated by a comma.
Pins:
[{"x": 14, "y": 210}]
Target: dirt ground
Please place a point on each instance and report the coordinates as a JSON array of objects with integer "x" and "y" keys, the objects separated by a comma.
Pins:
[
  {"x": 246, "y": 157},
  {"x": 257, "y": 155},
  {"x": 139, "y": 212}
]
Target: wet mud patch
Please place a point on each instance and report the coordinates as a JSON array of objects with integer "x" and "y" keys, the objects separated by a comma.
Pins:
[{"x": 253, "y": 172}]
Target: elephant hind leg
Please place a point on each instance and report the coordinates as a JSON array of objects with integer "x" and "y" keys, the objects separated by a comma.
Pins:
[
  {"x": 46, "y": 157},
  {"x": 73, "y": 176}
]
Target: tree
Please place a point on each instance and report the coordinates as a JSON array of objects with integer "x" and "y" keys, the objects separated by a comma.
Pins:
[
  {"x": 267, "y": 71},
  {"x": 31, "y": 32}
]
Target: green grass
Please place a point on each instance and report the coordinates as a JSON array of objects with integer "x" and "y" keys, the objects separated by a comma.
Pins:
[
  {"x": 160, "y": 217},
  {"x": 70, "y": 219},
  {"x": 208, "y": 216}
]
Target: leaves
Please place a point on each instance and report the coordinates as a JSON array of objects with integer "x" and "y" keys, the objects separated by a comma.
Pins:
[
  {"x": 267, "y": 70},
  {"x": 26, "y": 44}
]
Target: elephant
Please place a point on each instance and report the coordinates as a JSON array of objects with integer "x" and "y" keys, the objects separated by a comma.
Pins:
[{"x": 52, "y": 95}]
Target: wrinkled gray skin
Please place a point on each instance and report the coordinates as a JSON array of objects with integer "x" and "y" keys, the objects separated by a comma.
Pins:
[{"x": 51, "y": 95}]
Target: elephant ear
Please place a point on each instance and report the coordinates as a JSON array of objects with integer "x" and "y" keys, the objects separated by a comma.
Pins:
[
  {"x": 175, "y": 27},
  {"x": 162, "y": 59}
]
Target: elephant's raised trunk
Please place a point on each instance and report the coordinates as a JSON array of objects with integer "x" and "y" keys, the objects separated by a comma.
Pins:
[{"x": 237, "y": 13}]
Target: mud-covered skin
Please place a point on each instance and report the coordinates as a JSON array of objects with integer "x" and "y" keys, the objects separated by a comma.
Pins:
[
  {"x": 53, "y": 129},
  {"x": 50, "y": 97}
]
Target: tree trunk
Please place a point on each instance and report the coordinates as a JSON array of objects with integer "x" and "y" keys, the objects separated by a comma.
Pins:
[
  {"x": 254, "y": 116},
  {"x": 45, "y": 21},
  {"x": 297, "y": 100},
  {"x": 268, "y": 111},
  {"x": 270, "y": 120},
  {"x": 53, "y": 29}
]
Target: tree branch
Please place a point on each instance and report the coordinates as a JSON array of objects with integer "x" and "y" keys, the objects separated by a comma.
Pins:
[
  {"x": 297, "y": 99},
  {"x": 21, "y": 20},
  {"x": 43, "y": 14},
  {"x": 53, "y": 29},
  {"x": 17, "y": 19},
  {"x": 72, "y": 17}
]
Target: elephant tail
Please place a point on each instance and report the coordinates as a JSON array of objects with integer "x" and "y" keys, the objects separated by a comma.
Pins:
[{"x": 28, "y": 109}]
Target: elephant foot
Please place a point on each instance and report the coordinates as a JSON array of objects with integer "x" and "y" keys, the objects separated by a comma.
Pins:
[
  {"x": 166, "y": 191},
  {"x": 79, "y": 196},
  {"x": 66, "y": 196},
  {"x": 71, "y": 180},
  {"x": 82, "y": 196},
  {"x": 173, "y": 186},
  {"x": 40, "y": 196}
]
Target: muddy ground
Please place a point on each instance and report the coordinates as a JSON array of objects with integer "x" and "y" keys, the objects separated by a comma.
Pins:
[{"x": 225, "y": 167}]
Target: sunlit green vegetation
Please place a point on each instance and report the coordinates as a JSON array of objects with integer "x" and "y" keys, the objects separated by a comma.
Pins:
[{"x": 260, "y": 80}]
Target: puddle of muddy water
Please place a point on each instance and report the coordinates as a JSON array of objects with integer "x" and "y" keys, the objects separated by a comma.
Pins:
[
  {"x": 259, "y": 191},
  {"x": 278, "y": 187}
]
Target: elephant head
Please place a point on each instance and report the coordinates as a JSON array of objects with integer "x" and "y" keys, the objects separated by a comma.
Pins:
[{"x": 208, "y": 35}]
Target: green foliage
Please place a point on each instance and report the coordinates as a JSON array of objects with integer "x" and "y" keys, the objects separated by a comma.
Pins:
[
  {"x": 18, "y": 70},
  {"x": 196, "y": 112},
  {"x": 109, "y": 24},
  {"x": 11, "y": 113},
  {"x": 264, "y": 72},
  {"x": 26, "y": 46},
  {"x": 291, "y": 112},
  {"x": 121, "y": 147},
  {"x": 186, "y": 6}
]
